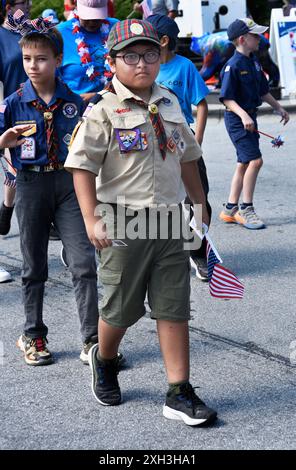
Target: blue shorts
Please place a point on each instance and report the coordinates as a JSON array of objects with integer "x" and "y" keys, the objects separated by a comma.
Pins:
[{"x": 246, "y": 143}]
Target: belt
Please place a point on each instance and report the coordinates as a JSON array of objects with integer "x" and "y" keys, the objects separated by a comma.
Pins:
[{"x": 44, "y": 168}]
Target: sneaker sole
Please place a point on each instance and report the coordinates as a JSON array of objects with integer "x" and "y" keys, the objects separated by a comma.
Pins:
[
  {"x": 228, "y": 219},
  {"x": 169, "y": 413},
  {"x": 241, "y": 221},
  {"x": 92, "y": 351},
  {"x": 44, "y": 362},
  {"x": 5, "y": 278}
]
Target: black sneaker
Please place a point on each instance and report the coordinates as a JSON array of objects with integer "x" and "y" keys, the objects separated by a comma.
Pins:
[
  {"x": 89, "y": 344},
  {"x": 105, "y": 386},
  {"x": 183, "y": 404},
  {"x": 200, "y": 267},
  {"x": 35, "y": 351},
  {"x": 5, "y": 218}
]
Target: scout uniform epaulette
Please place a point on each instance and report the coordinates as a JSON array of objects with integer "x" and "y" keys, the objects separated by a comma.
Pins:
[{"x": 94, "y": 100}]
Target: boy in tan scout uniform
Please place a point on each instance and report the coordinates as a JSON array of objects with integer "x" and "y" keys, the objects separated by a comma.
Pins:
[{"x": 134, "y": 142}]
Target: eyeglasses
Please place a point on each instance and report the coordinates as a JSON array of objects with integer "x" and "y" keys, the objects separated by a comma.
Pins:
[{"x": 133, "y": 58}]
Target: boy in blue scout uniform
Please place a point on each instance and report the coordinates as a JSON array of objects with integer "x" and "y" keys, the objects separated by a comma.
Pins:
[
  {"x": 136, "y": 140},
  {"x": 243, "y": 89},
  {"x": 45, "y": 191},
  {"x": 180, "y": 75}
]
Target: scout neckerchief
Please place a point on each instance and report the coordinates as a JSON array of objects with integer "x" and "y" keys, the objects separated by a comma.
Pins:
[
  {"x": 51, "y": 134},
  {"x": 154, "y": 118}
]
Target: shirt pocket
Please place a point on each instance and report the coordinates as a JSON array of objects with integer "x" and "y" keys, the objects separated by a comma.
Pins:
[{"x": 130, "y": 133}]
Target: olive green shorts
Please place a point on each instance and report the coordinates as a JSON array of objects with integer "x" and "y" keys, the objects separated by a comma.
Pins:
[{"x": 157, "y": 267}]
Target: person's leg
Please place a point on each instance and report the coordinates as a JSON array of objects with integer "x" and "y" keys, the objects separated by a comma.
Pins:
[
  {"x": 250, "y": 178},
  {"x": 237, "y": 183},
  {"x": 109, "y": 340},
  {"x": 174, "y": 345},
  {"x": 6, "y": 209},
  {"x": 34, "y": 215},
  {"x": 80, "y": 253},
  {"x": 9, "y": 196}
]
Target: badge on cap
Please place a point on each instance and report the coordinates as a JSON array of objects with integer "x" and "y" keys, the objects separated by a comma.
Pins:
[
  {"x": 70, "y": 110},
  {"x": 136, "y": 28}
]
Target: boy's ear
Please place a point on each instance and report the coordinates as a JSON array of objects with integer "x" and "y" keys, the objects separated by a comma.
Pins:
[
  {"x": 164, "y": 41},
  {"x": 111, "y": 62},
  {"x": 59, "y": 60}
]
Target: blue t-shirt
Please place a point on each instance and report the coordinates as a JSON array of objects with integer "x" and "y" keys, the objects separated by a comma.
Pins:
[
  {"x": 18, "y": 109},
  {"x": 12, "y": 73},
  {"x": 181, "y": 76},
  {"x": 72, "y": 72},
  {"x": 243, "y": 81}
]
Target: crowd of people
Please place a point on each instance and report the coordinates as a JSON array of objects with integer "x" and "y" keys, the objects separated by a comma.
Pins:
[{"x": 97, "y": 108}]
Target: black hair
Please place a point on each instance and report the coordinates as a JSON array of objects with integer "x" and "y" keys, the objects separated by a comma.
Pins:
[
  {"x": 52, "y": 39},
  {"x": 3, "y": 4}
]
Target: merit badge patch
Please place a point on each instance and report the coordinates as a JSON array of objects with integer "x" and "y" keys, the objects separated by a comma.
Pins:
[
  {"x": 70, "y": 110},
  {"x": 127, "y": 139},
  {"x": 67, "y": 139},
  {"x": 28, "y": 149}
]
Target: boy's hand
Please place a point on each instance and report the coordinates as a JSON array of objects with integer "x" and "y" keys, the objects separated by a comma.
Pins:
[
  {"x": 96, "y": 231},
  {"x": 284, "y": 115},
  {"x": 87, "y": 96},
  {"x": 248, "y": 123},
  {"x": 10, "y": 138}
]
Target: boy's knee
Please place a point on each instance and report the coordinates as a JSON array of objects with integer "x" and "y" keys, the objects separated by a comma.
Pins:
[{"x": 257, "y": 163}]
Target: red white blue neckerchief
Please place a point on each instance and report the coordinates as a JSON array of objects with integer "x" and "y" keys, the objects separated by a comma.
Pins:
[{"x": 84, "y": 53}]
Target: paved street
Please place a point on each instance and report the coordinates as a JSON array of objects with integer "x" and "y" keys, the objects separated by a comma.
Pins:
[{"x": 240, "y": 349}]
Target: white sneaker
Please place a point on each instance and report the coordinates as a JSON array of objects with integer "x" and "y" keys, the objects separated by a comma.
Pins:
[{"x": 4, "y": 275}]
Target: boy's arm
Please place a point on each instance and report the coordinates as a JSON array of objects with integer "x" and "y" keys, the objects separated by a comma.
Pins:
[
  {"x": 192, "y": 182},
  {"x": 247, "y": 121},
  {"x": 85, "y": 188},
  {"x": 10, "y": 138},
  {"x": 201, "y": 120},
  {"x": 268, "y": 98}
]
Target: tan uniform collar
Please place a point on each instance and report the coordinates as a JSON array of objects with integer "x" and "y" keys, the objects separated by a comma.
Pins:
[{"x": 124, "y": 93}]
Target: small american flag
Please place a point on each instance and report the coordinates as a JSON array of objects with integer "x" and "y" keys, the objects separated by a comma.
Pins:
[
  {"x": 147, "y": 8},
  {"x": 222, "y": 282},
  {"x": 10, "y": 179}
]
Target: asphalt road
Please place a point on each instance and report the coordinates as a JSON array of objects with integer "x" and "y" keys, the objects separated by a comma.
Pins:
[{"x": 242, "y": 352}]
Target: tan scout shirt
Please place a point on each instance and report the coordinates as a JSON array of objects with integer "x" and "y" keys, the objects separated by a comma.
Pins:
[{"x": 139, "y": 174}]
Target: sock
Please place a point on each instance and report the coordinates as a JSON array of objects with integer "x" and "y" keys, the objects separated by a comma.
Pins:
[
  {"x": 244, "y": 205},
  {"x": 175, "y": 388},
  {"x": 105, "y": 361},
  {"x": 229, "y": 205}
]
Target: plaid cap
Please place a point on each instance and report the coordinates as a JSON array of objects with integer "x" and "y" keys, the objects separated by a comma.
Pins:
[{"x": 127, "y": 32}]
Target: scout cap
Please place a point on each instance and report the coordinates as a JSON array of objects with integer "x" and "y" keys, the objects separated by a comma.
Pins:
[
  {"x": 127, "y": 32},
  {"x": 92, "y": 9},
  {"x": 243, "y": 26},
  {"x": 164, "y": 25}
]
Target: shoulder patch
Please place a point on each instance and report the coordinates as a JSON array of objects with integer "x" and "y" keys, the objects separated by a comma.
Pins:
[{"x": 227, "y": 68}]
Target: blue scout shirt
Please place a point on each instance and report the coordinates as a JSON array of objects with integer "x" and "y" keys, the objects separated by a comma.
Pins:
[
  {"x": 243, "y": 81},
  {"x": 17, "y": 109},
  {"x": 181, "y": 76}
]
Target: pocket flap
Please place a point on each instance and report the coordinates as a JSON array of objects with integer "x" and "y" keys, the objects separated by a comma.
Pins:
[
  {"x": 128, "y": 122},
  {"x": 110, "y": 277},
  {"x": 172, "y": 117}
]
